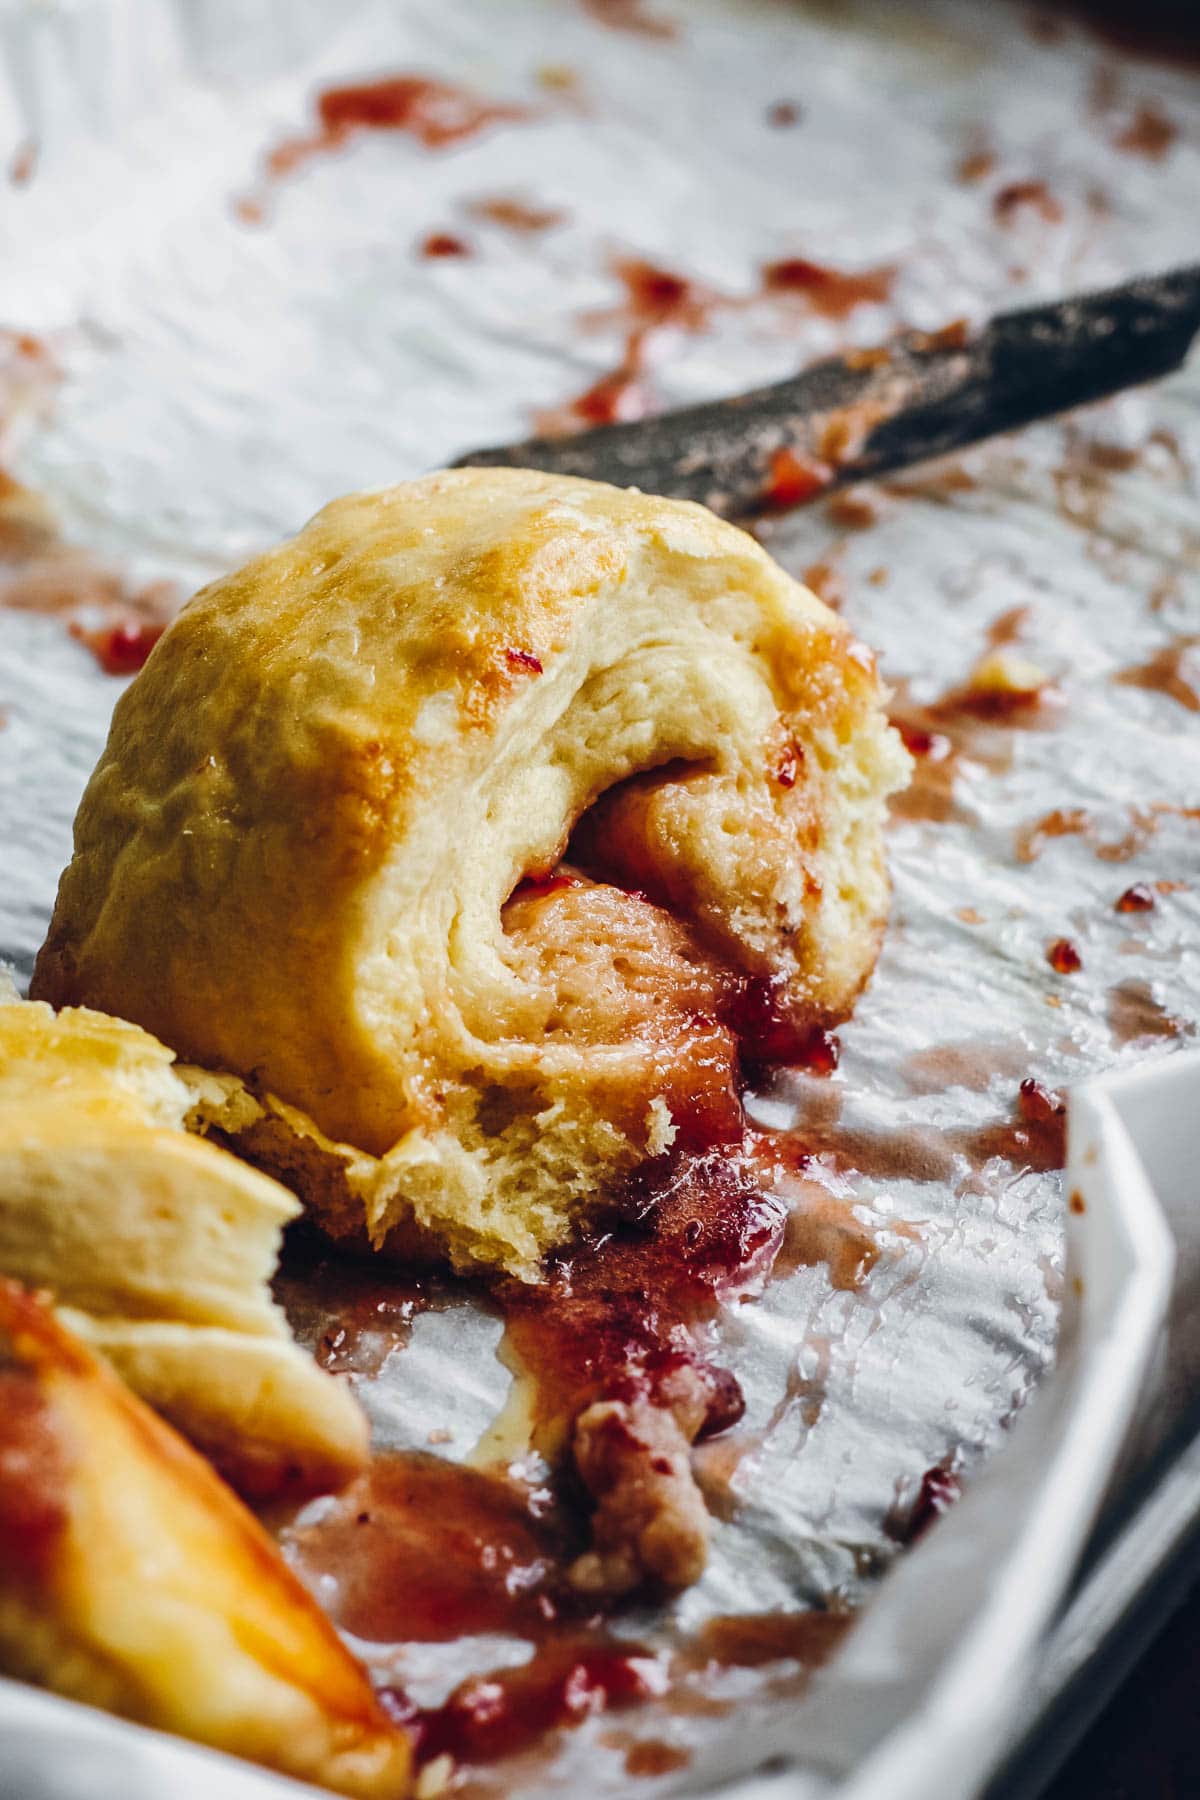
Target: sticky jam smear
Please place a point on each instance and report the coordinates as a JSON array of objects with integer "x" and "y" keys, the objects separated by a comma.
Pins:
[
  {"x": 421, "y": 1549},
  {"x": 616, "y": 1343}
]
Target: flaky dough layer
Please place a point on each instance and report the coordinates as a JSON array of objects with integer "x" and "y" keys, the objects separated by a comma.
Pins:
[{"x": 294, "y": 859}]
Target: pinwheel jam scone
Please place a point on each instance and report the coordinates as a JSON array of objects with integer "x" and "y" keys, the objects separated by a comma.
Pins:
[
  {"x": 473, "y": 840},
  {"x": 157, "y": 1247},
  {"x": 132, "y": 1578}
]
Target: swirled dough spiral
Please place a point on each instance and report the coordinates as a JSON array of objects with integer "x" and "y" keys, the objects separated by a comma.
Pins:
[{"x": 300, "y": 859}]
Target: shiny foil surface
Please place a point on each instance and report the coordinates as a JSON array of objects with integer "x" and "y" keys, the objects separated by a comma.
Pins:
[{"x": 200, "y": 349}]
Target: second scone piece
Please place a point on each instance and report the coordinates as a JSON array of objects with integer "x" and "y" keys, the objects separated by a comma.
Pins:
[{"x": 323, "y": 850}]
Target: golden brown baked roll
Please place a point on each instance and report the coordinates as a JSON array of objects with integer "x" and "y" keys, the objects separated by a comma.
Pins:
[
  {"x": 300, "y": 858},
  {"x": 131, "y": 1578},
  {"x": 158, "y": 1247}
]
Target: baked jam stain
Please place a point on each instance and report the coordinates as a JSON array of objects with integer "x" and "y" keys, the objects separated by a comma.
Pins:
[
  {"x": 1136, "y": 1015},
  {"x": 652, "y": 1756},
  {"x": 515, "y": 214},
  {"x": 1035, "y": 1139},
  {"x": 341, "y": 1310},
  {"x": 833, "y": 293},
  {"x": 633, "y": 16},
  {"x": 1150, "y": 133},
  {"x": 658, "y": 299},
  {"x": 655, "y": 299},
  {"x": 1022, "y": 196},
  {"x": 436, "y": 113},
  {"x": 750, "y": 1640},
  {"x": 1174, "y": 671},
  {"x": 440, "y": 244},
  {"x": 498, "y": 1714},
  {"x": 423, "y": 1550},
  {"x": 1076, "y": 821}
]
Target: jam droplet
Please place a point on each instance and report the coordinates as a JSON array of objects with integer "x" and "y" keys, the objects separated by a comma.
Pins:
[
  {"x": 120, "y": 649},
  {"x": 918, "y": 742},
  {"x": 795, "y": 478},
  {"x": 940, "y": 1488},
  {"x": 444, "y": 243},
  {"x": 1064, "y": 957},
  {"x": 1136, "y": 899},
  {"x": 1037, "y": 1105},
  {"x": 523, "y": 659}
]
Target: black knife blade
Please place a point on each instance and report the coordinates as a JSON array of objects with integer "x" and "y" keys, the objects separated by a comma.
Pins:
[{"x": 869, "y": 413}]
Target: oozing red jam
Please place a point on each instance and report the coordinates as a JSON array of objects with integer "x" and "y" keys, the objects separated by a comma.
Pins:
[
  {"x": 494, "y": 1715},
  {"x": 614, "y": 1316}
]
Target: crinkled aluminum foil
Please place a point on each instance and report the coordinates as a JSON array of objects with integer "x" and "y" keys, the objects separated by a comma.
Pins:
[{"x": 223, "y": 378}]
